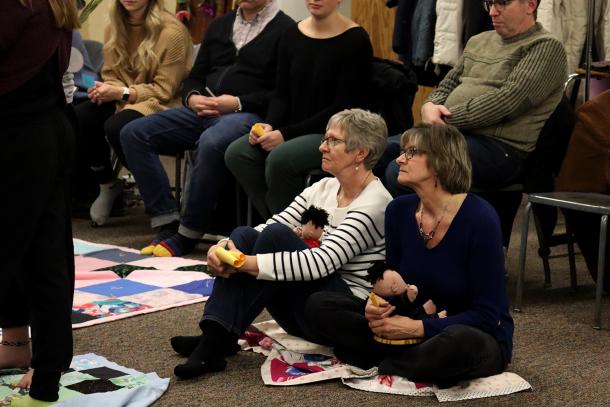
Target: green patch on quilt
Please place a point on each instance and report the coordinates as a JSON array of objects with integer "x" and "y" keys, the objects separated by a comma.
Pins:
[
  {"x": 123, "y": 270},
  {"x": 201, "y": 268}
]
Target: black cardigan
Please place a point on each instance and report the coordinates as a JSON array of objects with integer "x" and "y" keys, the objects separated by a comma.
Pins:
[{"x": 248, "y": 73}]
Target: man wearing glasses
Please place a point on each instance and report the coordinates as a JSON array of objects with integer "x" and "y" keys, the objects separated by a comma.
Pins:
[{"x": 502, "y": 90}]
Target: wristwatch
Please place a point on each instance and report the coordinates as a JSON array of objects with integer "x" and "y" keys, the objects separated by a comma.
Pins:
[{"x": 125, "y": 96}]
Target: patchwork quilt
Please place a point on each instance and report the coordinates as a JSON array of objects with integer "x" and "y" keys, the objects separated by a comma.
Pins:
[
  {"x": 293, "y": 361},
  {"x": 94, "y": 381},
  {"x": 115, "y": 282}
]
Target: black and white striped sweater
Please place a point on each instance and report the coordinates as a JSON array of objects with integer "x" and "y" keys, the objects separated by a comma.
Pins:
[{"x": 353, "y": 240}]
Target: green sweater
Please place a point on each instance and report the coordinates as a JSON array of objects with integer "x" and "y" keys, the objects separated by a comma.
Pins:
[{"x": 505, "y": 88}]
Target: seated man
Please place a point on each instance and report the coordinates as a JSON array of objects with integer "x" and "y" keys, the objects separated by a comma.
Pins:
[
  {"x": 227, "y": 91},
  {"x": 499, "y": 95}
]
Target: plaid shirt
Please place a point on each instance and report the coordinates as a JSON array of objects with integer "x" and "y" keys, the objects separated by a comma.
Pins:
[{"x": 245, "y": 31}]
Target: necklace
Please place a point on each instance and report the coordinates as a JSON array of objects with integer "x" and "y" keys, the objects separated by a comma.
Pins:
[
  {"x": 362, "y": 186},
  {"x": 430, "y": 235}
]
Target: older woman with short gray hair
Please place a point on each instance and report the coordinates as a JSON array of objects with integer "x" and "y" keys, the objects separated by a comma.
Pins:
[{"x": 281, "y": 271}]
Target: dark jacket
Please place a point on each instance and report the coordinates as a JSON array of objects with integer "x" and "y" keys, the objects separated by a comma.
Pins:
[{"x": 248, "y": 73}]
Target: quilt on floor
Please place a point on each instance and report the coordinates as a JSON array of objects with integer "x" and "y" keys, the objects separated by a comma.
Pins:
[
  {"x": 94, "y": 381},
  {"x": 293, "y": 361},
  {"x": 115, "y": 282}
]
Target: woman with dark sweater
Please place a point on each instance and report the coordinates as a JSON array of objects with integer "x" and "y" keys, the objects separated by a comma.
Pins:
[
  {"x": 37, "y": 277},
  {"x": 448, "y": 243},
  {"x": 324, "y": 67}
]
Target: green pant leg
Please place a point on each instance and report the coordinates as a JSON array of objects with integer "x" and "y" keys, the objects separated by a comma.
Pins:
[
  {"x": 287, "y": 168},
  {"x": 247, "y": 163}
]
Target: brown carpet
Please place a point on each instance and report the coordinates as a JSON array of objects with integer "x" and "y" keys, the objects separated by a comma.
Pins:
[{"x": 556, "y": 349}]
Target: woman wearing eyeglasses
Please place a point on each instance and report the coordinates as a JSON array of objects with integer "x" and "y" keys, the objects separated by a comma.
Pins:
[
  {"x": 448, "y": 243},
  {"x": 280, "y": 271}
]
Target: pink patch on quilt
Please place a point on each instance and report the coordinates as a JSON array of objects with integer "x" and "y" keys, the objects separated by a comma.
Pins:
[{"x": 82, "y": 264}]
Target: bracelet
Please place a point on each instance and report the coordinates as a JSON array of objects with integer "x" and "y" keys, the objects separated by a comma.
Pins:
[
  {"x": 397, "y": 341},
  {"x": 15, "y": 343}
]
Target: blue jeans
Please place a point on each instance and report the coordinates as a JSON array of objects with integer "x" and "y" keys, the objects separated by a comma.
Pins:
[
  {"x": 236, "y": 301},
  {"x": 173, "y": 131},
  {"x": 494, "y": 165}
]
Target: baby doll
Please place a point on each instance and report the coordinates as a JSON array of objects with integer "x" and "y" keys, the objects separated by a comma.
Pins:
[
  {"x": 390, "y": 285},
  {"x": 313, "y": 221}
]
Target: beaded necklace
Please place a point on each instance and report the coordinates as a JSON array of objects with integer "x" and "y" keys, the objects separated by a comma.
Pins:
[{"x": 430, "y": 235}]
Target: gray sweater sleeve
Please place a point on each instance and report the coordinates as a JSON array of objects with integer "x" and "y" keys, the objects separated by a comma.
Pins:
[{"x": 531, "y": 81}]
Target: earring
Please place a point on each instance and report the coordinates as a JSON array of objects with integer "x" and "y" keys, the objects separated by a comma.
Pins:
[{"x": 357, "y": 167}]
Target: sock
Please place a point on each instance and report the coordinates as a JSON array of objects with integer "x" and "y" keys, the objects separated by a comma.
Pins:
[
  {"x": 174, "y": 246},
  {"x": 45, "y": 385},
  {"x": 101, "y": 207},
  {"x": 164, "y": 232},
  {"x": 206, "y": 357},
  {"x": 185, "y": 345}
]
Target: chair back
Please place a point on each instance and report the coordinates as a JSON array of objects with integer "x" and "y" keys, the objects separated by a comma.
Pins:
[
  {"x": 96, "y": 55},
  {"x": 543, "y": 164}
]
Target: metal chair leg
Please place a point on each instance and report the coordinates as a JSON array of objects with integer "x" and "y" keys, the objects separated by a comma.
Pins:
[
  {"x": 571, "y": 259},
  {"x": 544, "y": 251},
  {"x": 522, "y": 253},
  {"x": 601, "y": 265}
]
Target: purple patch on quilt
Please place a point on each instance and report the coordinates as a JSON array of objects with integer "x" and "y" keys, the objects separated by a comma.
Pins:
[
  {"x": 118, "y": 288},
  {"x": 117, "y": 255},
  {"x": 203, "y": 287}
]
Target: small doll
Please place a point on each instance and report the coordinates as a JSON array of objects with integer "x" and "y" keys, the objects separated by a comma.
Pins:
[
  {"x": 390, "y": 285},
  {"x": 313, "y": 221}
]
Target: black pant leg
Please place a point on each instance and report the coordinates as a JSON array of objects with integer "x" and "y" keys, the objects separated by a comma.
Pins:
[
  {"x": 338, "y": 320},
  {"x": 113, "y": 127},
  {"x": 459, "y": 352},
  {"x": 40, "y": 269},
  {"x": 91, "y": 140}
]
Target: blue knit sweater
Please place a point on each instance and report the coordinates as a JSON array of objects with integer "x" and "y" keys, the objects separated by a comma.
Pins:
[{"x": 463, "y": 274}]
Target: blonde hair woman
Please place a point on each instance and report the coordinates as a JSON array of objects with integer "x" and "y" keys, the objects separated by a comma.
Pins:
[
  {"x": 36, "y": 284},
  {"x": 147, "y": 53}
]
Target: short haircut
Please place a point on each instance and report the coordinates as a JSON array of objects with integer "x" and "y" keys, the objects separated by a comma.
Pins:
[
  {"x": 317, "y": 216},
  {"x": 362, "y": 129},
  {"x": 447, "y": 154}
]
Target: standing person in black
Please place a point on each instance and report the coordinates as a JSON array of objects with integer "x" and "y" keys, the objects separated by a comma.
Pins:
[
  {"x": 37, "y": 276},
  {"x": 227, "y": 91},
  {"x": 324, "y": 67}
]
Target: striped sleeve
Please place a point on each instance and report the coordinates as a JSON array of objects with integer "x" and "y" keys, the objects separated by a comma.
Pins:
[
  {"x": 531, "y": 81},
  {"x": 351, "y": 247}
]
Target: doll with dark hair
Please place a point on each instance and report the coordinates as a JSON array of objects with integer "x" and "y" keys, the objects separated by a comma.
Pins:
[
  {"x": 390, "y": 285},
  {"x": 313, "y": 221}
]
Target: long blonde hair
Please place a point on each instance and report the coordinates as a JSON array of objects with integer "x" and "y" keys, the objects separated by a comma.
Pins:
[
  {"x": 145, "y": 60},
  {"x": 64, "y": 11}
]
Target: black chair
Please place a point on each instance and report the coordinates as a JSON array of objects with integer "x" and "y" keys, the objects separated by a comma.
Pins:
[{"x": 540, "y": 169}]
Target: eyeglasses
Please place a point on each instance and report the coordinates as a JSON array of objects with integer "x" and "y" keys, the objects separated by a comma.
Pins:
[
  {"x": 332, "y": 141},
  {"x": 410, "y": 152},
  {"x": 500, "y": 4}
]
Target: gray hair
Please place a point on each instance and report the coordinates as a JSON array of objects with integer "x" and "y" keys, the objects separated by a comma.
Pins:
[
  {"x": 362, "y": 129},
  {"x": 446, "y": 153}
]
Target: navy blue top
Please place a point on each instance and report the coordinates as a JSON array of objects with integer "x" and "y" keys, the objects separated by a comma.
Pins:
[{"x": 463, "y": 274}]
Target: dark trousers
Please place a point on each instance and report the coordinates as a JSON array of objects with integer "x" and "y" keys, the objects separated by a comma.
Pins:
[
  {"x": 99, "y": 126},
  {"x": 459, "y": 352},
  {"x": 236, "y": 301},
  {"x": 37, "y": 275}
]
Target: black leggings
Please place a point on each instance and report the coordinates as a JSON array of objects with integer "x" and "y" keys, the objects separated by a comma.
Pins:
[
  {"x": 99, "y": 126},
  {"x": 459, "y": 352},
  {"x": 37, "y": 277}
]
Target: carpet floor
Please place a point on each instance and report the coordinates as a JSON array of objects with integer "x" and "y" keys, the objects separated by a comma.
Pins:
[{"x": 556, "y": 348}]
